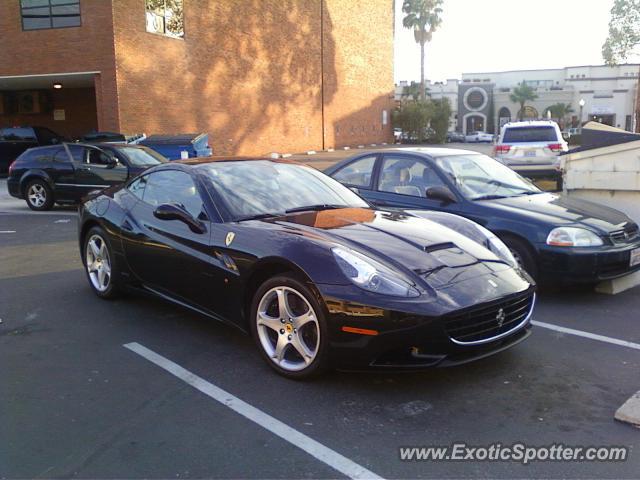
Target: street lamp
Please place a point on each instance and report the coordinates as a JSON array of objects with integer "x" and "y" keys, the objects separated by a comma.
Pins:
[{"x": 581, "y": 103}]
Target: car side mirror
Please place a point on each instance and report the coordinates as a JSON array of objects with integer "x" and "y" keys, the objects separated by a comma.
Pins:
[
  {"x": 441, "y": 193},
  {"x": 55, "y": 141},
  {"x": 169, "y": 211}
]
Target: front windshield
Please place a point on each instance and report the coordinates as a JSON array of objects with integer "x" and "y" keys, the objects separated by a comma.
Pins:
[
  {"x": 142, "y": 156},
  {"x": 481, "y": 177},
  {"x": 254, "y": 188}
]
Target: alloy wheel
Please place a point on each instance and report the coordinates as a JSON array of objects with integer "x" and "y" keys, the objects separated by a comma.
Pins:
[
  {"x": 37, "y": 195},
  {"x": 288, "y": 328},
  {"x": 98, "y": 263}
]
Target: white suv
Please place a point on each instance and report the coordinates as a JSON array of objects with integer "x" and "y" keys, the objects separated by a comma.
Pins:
[{"x": 531, "y": 148}]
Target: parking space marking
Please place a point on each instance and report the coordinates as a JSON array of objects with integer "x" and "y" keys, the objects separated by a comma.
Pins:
[
  {"x": 7, "y": 231},
  {"x": 592, "y": 336},
  {"x": 315, "y": 449}
]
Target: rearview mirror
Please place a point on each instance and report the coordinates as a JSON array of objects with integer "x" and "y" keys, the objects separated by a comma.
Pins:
[
  {"x": 169, "y": 211},
  {"x": 441, "y": 193}
]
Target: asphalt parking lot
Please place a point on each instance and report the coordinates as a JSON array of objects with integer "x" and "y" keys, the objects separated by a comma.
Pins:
[{"x": 78, "y": 403}]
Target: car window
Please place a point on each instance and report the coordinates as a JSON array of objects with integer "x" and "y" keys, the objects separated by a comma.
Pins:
[
  {"x": 61, "y": 155},
  {"x": 357, "y": 173},
  {"x": 137, "y": 187},
  {"x": 249, "y": 188},
  {"x": 97, "y": 157},
  {"x": 18, "y": 134},
  {"x": 530, "y": 134},
  {"x": 174, "y": 187},
  {"x": 77, "y": 153},
  {"x": 141, "y": 156},
  {"x": 46, "y": 136},
  {"x": 407, "y": 176},
  {"x": 478, "y": 176}
]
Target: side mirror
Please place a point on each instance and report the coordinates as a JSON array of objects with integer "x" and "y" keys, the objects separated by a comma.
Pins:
[
  {"x": 441, "y": 193},
  {"x": 55, "y": 141},
  {"x": 169, "y": 211}
]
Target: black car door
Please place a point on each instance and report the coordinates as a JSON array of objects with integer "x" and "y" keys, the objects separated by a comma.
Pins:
[
  {"x": 59, "y": 167},
  {"x": 402, "y": 181},
  {"x": 166, "y": 255},
  {"x": 95, "y": 169}
]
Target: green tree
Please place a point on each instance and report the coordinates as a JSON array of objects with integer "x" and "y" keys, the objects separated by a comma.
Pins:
[
  {"x": 413, "y": 118},
  {"x": 423, "y": 17},
  {"x": 624, "y": 31},
  {"x": 412, "y": 91},
  {"x": 440, "y": 116},
  {"x": 561, "y": 111},
  {"x": 522, "y": 94}
]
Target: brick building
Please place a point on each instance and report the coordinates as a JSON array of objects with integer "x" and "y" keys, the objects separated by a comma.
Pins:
[{"x": 256, "y": 75}]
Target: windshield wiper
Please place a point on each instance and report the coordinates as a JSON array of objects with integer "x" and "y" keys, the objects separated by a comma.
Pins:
[
  {"x": 259, "y": 216},
  {"x": 314, "y": 208},
  {"x": 490, "y": 197}
]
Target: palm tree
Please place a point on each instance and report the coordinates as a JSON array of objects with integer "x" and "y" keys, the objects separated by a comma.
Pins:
[
  {"x": 522, "y": 94},
  {"x": 423, "y": 17},
  {"x": 561, "y": 111}
]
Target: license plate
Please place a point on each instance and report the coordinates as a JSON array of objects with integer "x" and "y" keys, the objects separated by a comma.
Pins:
[
  {"x": 529, "y": 154},
  {"x": 635, "y": 257}
]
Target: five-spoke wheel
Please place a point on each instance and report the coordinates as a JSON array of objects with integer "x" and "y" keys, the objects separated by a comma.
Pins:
[
  {"x": 98, "y": 262},
  {"x": 38, "y": 195},
  {"x": 288, "y": 325}
]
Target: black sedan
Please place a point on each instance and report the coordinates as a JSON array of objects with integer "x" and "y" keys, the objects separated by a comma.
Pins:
[
  {"x": 301, "y": 262},
  {"x": 554, "y": 237},
  {"x": 65, "y": 173}
]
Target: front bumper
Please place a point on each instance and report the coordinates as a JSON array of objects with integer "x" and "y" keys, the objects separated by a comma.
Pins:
[
  {"x": 410, "y": 341},
  {"x": 585, "y": 265}
]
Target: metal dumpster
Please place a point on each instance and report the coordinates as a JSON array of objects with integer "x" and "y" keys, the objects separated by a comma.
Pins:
[
  {"x": 172, "y": 146},
  {"x": 605, "y": 169}
]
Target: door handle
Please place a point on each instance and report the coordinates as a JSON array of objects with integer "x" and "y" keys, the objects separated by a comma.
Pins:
[
  {"x": 83, "y": 169},
  {"x": 380, "y": 202}
]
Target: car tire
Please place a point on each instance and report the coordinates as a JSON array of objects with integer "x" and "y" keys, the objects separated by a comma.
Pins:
[
  {"x": 99, "y": 262},
  {"x": 523, "y": 254},
  {"x": 271, "y": 328},
  {"x": 38, "y": 195}
]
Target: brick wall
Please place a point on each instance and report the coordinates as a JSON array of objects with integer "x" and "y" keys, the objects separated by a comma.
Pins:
[
  {"x": 358, "y": 57},
  {"x": 250, "y": 73},
  {"x": 79, "y": 49},
  {"x": 80, "y": 113}
]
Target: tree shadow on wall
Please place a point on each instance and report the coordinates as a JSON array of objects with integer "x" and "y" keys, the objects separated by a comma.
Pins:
[{"x": 249, "y": 73}]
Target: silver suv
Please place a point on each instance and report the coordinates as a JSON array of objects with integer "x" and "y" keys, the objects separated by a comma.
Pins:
[{"x": 531, "y": 148}]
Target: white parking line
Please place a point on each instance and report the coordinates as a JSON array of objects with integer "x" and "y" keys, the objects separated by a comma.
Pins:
[
  {"x": 592, "y": 336},
  {"x": 266, "y": 421},
  {"x": 7, "y": 231}
]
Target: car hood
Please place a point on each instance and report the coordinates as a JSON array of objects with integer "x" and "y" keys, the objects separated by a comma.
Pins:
[
  {"x": 560, "y": 210},
  {"x": 421, "y": 248}
]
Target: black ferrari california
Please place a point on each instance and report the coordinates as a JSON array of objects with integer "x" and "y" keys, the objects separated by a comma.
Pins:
[{"x": 301, "y": 262}]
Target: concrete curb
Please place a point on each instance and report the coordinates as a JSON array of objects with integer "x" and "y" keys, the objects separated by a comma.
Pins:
[
  {"x": 629, "y": 412},
  {"x": 619, "y": 285}
]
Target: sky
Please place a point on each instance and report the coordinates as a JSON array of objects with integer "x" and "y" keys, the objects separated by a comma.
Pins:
[{"x": 497, "y": 35}]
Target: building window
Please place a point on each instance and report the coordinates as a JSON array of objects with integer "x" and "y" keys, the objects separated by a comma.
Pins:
[
  {"x": 40, "y": 14},
  {"x": 165, "y": 17}
]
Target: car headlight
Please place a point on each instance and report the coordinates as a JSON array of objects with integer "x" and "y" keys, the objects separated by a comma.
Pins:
[
  {"x": 371, "y": 275},
  {"x": 573, "y": 237}
]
